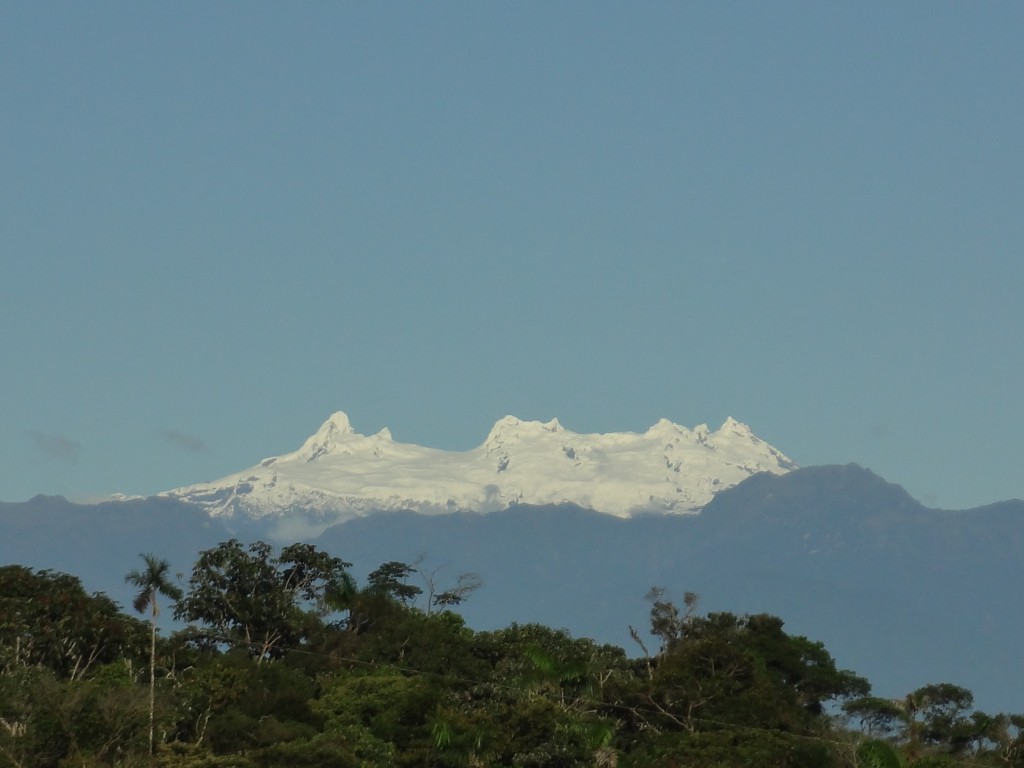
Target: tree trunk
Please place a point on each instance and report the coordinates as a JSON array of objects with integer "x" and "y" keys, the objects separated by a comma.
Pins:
[{"x": 152, "y": 682}]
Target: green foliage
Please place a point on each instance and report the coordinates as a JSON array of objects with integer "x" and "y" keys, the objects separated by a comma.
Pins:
[
  {"x": 738, "y": 748},
  {"x": 387, "y": 684},
  {"x": 726, "y": 668},
  {"x": 938, "y": 714},
  {"x": 152, "y": 581},
  {"x": 803, "y": 668},
  {"x": 392, "y": 579},
  {"x": 465, "y": 585},
  {"x": 875, "y": 753},
  {"x": 251, "y": 598},
  {"x": 668, "y": 621},
  {"x": 878, "y": 717},
  {"x": 327, "y": 750},
  {"x": 48, "y": 619},
  {"x": 233, "y": 703},
  {"x": 933, "y": 721},
  {"x": 30, "y": 734},
  {"x": 94, "y": 721},
  {"x": 382, "y": 713}
]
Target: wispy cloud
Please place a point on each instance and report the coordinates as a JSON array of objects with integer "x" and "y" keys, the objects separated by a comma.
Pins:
[
  {"x": 183, "y": 440},
  {"x": 56, "y": 446}
]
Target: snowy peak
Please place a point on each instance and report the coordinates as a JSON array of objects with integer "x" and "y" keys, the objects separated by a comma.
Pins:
[
  {"x": 509, "y": 431},
  {"x": 731, "y": 425},
  {"x": 332, "y": 432},
  {"x": 338, "y": 473},
  {"x": 338, "y": 423}
]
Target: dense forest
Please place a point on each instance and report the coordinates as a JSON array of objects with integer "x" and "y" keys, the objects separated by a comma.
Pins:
[{"x": 286, "y": 661}]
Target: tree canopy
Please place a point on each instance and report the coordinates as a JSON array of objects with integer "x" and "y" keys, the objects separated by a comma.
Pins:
[
  {"x": 247, "y": 595},
  {"x": 288, "y": 661}
]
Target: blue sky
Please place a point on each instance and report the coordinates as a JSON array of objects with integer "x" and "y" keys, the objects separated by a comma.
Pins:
[{"x": 221, "y": 222}]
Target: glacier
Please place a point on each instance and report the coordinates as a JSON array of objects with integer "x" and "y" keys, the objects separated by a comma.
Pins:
[{"x": 338, "y": 474}]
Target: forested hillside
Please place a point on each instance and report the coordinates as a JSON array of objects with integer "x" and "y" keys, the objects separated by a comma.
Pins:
[
  {"x": 288, "y": 661},
  {"x": 895, "y": 590}
]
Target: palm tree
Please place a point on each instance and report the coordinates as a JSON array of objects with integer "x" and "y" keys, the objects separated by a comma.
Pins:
[{"x": 152, "y": 580}]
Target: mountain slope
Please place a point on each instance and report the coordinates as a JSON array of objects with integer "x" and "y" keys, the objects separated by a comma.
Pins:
[
  {"x": 102, "y": 542},
  {"x": 339, "y": 474},
  {"x": 903, "y": 594}
]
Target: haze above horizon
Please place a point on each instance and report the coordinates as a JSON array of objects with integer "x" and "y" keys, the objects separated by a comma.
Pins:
[{"x": 222, "y": 223}]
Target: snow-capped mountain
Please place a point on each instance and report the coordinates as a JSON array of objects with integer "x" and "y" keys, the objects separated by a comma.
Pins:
[{"x": 338, "y": 473}]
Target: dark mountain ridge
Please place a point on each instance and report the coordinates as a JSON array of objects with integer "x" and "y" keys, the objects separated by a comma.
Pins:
[{"x": 901, "y": 593}]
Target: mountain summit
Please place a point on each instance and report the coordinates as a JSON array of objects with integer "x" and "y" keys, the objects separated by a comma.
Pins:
[{"x": 338, "y": 473}]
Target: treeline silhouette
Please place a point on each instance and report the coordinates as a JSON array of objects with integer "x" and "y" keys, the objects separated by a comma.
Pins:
[{"x": 285, "y": 660}]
